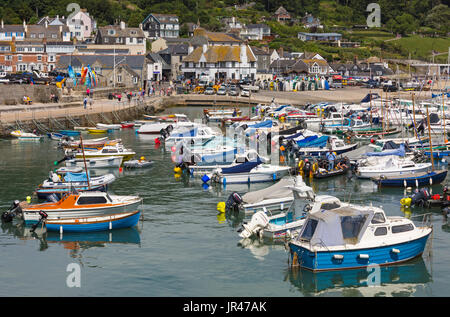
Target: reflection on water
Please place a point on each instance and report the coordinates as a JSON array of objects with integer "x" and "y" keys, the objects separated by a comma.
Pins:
[
  {"x": 398, "y": 280},
  {"x": 260, "y": 248},
  {"x": 74, "y": 242}
]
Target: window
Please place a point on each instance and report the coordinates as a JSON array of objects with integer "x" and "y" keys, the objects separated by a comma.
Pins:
[
  {"x": 33, "y": 35},
  {"x": 378, "y": 218},
  {"x": 352, "y": 225},
  {"x": 22, "y": 67},
  {"x": 39, "y": 57},
  {"x": 135, "y": 80},
  {"x": 91, "y": 200},
  {"x": 380, "y": 231},
  {"x": 19, "y": 58},
  {"x": 20, "y": 49},
  {"x": 119, "y": 78},
  {"x": 8, "y": 58},
  {"x": 309, "y": 230},
  {"x": 402, "y": 228},
  {"x": 51, "y": 58},
  {"x": 41, "y": 35},
  {"x": 54, "y": 36}
]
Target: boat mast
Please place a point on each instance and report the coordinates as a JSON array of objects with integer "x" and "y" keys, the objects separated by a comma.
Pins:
[
  {"x": 429, "y": 135},
  {"x": 414, "y": 116},
  {"x": 84, "y": 159}
]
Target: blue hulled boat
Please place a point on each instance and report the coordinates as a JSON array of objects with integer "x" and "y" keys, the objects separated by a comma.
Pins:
[
  {"x": 69, "y": 132},
  {"x": 339, "y": 236},
  {"x": 95, "y": 223},
  {"x": 409, "y": 180}
]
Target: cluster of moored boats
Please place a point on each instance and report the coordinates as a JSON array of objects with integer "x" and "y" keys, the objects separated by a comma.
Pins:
[
  {"x": 280, "y": 145},
  {"x": 72, "y": 200}
]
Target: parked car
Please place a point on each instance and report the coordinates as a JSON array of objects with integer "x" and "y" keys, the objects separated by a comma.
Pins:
[
  {"x": 390, "y": 88},
  {"x": 209, "y": 90},
  {"x": 233, "y": 92},
  {"x": 222, "y": 91},
  {"x": 372, "y": 84},
  {"x": 245, "y": 92}
]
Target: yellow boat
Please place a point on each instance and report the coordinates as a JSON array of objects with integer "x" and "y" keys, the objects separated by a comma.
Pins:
[{"x": 97, "y": 131}]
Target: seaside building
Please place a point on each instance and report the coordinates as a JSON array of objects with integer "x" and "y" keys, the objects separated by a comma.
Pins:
[{"x": 161, "y": 25}]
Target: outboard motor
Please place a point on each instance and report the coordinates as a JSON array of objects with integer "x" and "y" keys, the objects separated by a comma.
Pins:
[
  {"x": 12, "y": 212},
  {"x": 169, "y": 128},
  {"x": 420, "y": 197},
  {"x": 164, "y": 134},
  {"x": 233, "y": 202},
  {"x": 44, "y": 216},
  {"x": 258, "y": 222}
]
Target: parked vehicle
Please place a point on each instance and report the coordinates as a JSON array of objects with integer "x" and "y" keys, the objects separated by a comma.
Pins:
[
  {"x": 222, "y": 90},
  {"x": 209, "y": 91},
  {"x": 245, "y": 92},
  {"x": 233, "y": 92}
]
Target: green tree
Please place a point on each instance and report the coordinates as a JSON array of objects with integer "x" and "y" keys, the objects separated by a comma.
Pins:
[{"x": 439, "y": 18}]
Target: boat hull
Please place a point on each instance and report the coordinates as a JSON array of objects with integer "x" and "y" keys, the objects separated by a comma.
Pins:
[
  {"x": 92, "y": 224},
  {"x": 375, "y": 173},
  {"x": 384, "y": 255},
  {"x": 322, "y": 151},
  {"x": 32, "y": 216},
  {"x": 425, "y": 180}
]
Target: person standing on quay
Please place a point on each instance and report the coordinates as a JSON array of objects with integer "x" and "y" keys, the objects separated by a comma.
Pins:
[{"x": 85, "y": 102}]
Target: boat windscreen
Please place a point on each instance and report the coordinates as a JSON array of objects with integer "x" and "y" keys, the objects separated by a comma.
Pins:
[
  {"x": 309, "y": 230},
  {"x": 351, "y": 227}
]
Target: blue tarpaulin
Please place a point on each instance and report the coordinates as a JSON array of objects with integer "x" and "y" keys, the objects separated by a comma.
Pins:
[
  {"x": 399, "y": 152},
  {"x": 242, "y": 168},
  {"x": 264, "y": 124},
  {"x": 314, "y": 142},
  {"x": 75, "y": 177}
]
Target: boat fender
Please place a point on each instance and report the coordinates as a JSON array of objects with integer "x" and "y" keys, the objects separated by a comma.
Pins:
[
  {"x": 205, "y": 178},
  {"x": 177, "y": 170},
  {"x": 221, "y": 206},
  {"x": 405, "y": 202}
]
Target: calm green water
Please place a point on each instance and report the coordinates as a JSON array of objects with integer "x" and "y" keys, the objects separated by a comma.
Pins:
[{"x": 183, "y": 247}]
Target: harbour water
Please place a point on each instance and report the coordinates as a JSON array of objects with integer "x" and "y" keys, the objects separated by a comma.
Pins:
[{"x": 183, "y": 247}]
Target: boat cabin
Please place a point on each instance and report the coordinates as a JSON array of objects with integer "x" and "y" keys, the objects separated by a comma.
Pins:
[{"x": 333, "y": 224}]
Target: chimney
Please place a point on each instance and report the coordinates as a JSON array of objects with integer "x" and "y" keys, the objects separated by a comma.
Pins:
[
  {"x": 243, "y": 53},
  {"x": 122, "y": 25},
  {"x": 2, "y": 24},
  {"x": 46, "y": 24},
  {"x": 57, "y": 17},
  {"x": 190, "y": 49},
  {"x": 205, "y": 48},
  {"x": 24, "y": 26},
  {"x": 281, "y": 52}
]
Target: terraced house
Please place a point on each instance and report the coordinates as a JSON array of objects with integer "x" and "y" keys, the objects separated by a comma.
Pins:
[{"x": 32, "y": 47}]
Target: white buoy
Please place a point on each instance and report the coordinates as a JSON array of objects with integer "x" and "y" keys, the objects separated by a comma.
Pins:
[{"x": 110, "y": 225}]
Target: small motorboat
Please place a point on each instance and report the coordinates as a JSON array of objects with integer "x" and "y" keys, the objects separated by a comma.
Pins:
[
  {"x": 104, "y": 126},
  {"x": 266, "y": 225},
  {"x": 106, "y": 151},
  {"x": 55, "y": 136},
  {"x": 127, "y": 125},
  {"x": 249, "y": 172},
  {"x": 59, "y": 184},
  {"x": 141, "y": 163},
  {"x": 79, "y": 205},
  {"x": 273, "y": 199},
  {"x": 70, "y": 132},
  {"x": 339, "y": 236},
  {"x": 98, "y": 162},
  {"x": 93, "y": 223},
  {"x": 323, "y": 173},
  {"x": 411, "y": 180},
  {"x": 27, "y": 136},
  {"x": 97, "y": 131}
]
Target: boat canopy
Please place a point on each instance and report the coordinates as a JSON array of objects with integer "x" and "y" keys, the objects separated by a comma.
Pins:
[
  {"x": 264, "y": 124},
  {"x": 334, "y": 225},
  {"x": 313, "y": 141},
  {"x": 242, "y": 168},
  {"x": 399, "y": 152},
  {"x": 223, "y": 157},
  {"x": 278, "y": 190},
  {"x": 75, "y": 177}
]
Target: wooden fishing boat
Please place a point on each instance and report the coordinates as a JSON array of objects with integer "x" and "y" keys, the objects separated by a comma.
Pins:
[
  {"x": 410, "y": 180},
  {"x": 79, "y": 205},
  {"x": 94, "y": 223}
]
